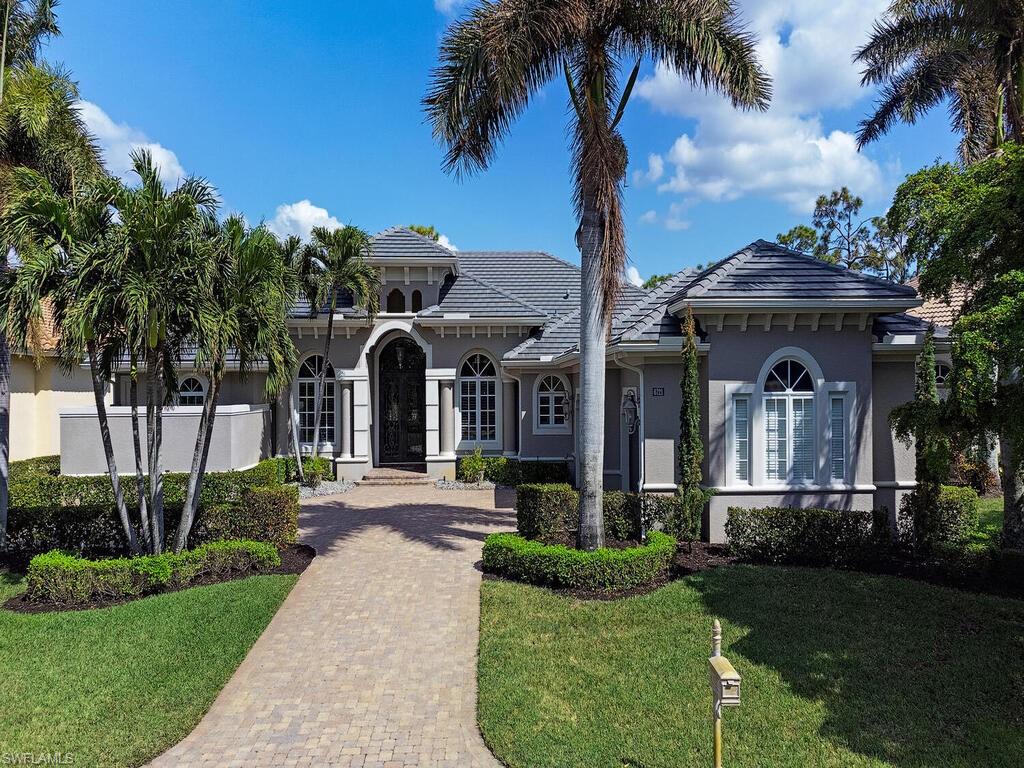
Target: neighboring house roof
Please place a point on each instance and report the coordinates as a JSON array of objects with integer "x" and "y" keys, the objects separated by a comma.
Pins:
[
  {"x": 942, "y": 313},
  {"x": 765, "y": 273}
]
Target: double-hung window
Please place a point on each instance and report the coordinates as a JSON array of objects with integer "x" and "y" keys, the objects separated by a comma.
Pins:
[
  {"x": 308, "y": 384},
  {"x": 789, "y": 424},
  {"x": 552, "y": 403}
]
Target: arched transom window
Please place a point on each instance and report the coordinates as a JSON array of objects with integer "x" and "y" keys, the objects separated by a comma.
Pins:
[
  {"x": 789, "y": 424},
  {"x": 942, "y": 374},
  {"x": 309, "y": 378},
  {"x": 191, "y": 391},
  {"x": 478, "y": 399},
  {"x": 552, "y": 401}
]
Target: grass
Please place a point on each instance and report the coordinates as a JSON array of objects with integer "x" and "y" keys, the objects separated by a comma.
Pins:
[
  {"x": 117, "y": 686},
  {"x": 990, "y": 525},
  {"x": 839, "y": 669}
]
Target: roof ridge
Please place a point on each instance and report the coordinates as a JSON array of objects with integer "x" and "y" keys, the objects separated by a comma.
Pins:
[
  {"x": 550, "y": 256},
  {"x": 667, "y": 290},
  {"x": 399, "y": 229},
  {"x": 476, "y": 278},
  {"x": 881, "y": 281},
  {"x": 560, "y": 321}
]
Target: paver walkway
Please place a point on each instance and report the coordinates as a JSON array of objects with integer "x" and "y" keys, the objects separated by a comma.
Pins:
[{"x": 371, "y": 660}]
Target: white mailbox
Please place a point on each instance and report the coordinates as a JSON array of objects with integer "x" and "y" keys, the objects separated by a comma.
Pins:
[{"x": 725, "y": 682}]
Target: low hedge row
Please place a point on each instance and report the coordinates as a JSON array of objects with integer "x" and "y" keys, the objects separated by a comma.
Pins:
[
  {"x": 950, "y": 525},
  {"x": 68, "y": 580},
  {"x": 806, "y": 536},
  {"x": 547, "y": 512},
  {"x": 504, "y": 470},
  {"x": 514, "y": 557},
  {"x": 268, "y": 514}
]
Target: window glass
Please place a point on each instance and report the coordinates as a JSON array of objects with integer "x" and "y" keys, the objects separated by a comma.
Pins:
[
  {"x": 191, "y": 392},
  {"x": 309, "y": 374},
  {"x": 396, "y": 302},
  {"x": 551, "y": 401},
  {"x": 478, "y": 399},
  {"x": 417, "y": 301}
]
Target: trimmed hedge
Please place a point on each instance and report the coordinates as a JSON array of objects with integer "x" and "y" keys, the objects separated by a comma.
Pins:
[
  {"x": 547, "y": 512},
  {"x": 805, "y": 536},
  {"x": 68, "y": 580},
  {"x": 956, "y": 516},
  {"x": 514, "y": 557},
  {"x": 503, "y": 470},
  {"x": 268, "y": 514}
]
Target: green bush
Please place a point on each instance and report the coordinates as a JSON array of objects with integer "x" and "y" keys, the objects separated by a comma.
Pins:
[
  {"x": 77, "y": 514},
  {"x": 805, "y": 536},
  {"x": 546, "y": 512},
  {"x": 269, "y": 514},
  {"x": 68, "y": 580},
  {"x": 503, "y": 470},
  {"x": 512, "y": 556},
  {"x": 679, "y": 520},
  {"x": 956, "y": 517}
]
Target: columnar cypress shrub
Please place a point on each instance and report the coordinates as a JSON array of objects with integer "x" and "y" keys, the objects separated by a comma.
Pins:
[{"x": 691, "y": 445}]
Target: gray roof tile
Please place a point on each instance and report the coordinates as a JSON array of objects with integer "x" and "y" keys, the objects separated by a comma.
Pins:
[
  {"x": 469, "y": 294},
  {"x": 403, "y": 243}
]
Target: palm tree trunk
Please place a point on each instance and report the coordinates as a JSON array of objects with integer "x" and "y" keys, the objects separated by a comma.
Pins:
[
  {"x": 140, "y": 475},
  {"x": 293, "y": 416},
  {"x": 199, "y": 457},
  {"x": 593, "y": 338},
  {"x": 5, "y": 433},
  {"x": 99, "y": 387},
  {"x": 321, "y": 382},
  {"x": 154, "y": 428},
  {"x": 3, "y": 48},
  {"x": 1013, "y": 494}
]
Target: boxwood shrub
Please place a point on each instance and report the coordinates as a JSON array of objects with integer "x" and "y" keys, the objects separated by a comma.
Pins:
[
  {"x": 68, "y": 580},
  {"x": 269, "y": 514},
  {"x": 514, "y": 557},
  {"x": 805, "y": 536},
  {"x": 504, "y": 470},
  {"x": 548, "y": 512}
]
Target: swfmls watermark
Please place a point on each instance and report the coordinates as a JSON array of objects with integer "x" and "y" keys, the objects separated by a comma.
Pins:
[{"x": 37, "y": 758}]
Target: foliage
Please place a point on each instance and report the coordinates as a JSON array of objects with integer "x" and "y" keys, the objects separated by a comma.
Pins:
[
  {"x": 800, "y": 238},
  {"x": 565, "y": 683},
  {"x": 268, "y": 514},
  {"x": 316, "y": 469},
  {"x": 844, "y": 238},
  {"x": 655, "y": 280},
  {"x": 428, "y": 232},
  {"x": 948, "y": 527},
  {"x": 68, "y": 580},
  {"x": 969, "y": 222},
  {"x": 506, "y": 470},
  {"x": 690, "y": 452},
  {"x": 963, "y": 53},
  {"x": 543, "y": 512},
  {"x": 514, "y": 557},
  {"x": 805, "y": 536},
  {"x": 974, "y": 472}
]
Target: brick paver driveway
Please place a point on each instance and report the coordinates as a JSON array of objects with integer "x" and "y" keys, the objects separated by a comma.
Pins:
[{"x": 371, "y": 660}]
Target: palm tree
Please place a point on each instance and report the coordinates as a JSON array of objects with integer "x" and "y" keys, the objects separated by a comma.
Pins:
[
  {"x": 57, "y": 238},
  {"x": 493, "y": 61},
  {"x": 333, "y": 262},
  {"x": 967, "y": 53},
  {"x": 163, "y": 288},
  {"x": 295, "y": 271},
  {"x": 245, "y": 316}
]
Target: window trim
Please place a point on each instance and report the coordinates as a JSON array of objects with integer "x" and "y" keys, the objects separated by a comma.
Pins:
[
  {"x": 463, "y": 444},
  {"x": 552, "y": 429},
  {"x": 204, "y": 385},
  {"x": 332, "y": 380}
]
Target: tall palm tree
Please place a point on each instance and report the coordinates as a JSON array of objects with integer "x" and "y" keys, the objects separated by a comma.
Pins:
[
  {"x": 163, "y": 289},
  {"x": 295, "y": 271},
  {"x": 967, "y": 53},
  {"x": 246, "y": 317},
  {"x": 57, "y": 238},
  {"x": 333, "y": 262},
  {"x": 493, "y": 61}
]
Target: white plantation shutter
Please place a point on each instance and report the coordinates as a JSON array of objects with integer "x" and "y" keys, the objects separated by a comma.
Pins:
[
  {"x": 776, "y": 438},
  {"x": 837, "y": 448},
  {"x": 741, "y": 421},
  {"x": 803, "y": 439}
]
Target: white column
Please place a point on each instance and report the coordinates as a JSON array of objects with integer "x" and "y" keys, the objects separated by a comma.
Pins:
[
  {"x": 440, "y": 382},
  {"x": 357, "y": 381},
  {"x": 447, "y": 418},
  {"x": 346, "y": 419}
]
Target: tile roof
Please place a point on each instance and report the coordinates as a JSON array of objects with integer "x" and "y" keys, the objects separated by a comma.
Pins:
[
  {"x": 942, "y": 313},
  {"x": 403, "y": 243},
  {"x": 469, "y": 294},
  {"x": 902, "y": 324},
  {"x": 537, "y": 278},
  {"x": 767, "y": 271}
]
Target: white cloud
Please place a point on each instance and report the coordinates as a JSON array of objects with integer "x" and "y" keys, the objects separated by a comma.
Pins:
[
  {"x": 300, "y": 218},
  {"x": 649, "y": 217},
  {"x": 674, "y": 220},
  {"x": 633, "y": 276},
  {"x": 448, "y": 6},
  {"x": 443, "y": 240},
  {"x": 655, "y": 170},
  {"x": 786, "y": 153},
  {"x": 118, "y": 140}
]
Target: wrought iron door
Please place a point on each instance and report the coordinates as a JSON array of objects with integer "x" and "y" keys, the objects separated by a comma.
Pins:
[{"x": 402, "y": 403}]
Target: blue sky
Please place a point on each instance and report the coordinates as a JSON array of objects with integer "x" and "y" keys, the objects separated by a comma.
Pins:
[{"x": 309, "y": 112}]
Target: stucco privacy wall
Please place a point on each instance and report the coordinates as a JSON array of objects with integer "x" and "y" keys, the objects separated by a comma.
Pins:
[
  {"x": 241, "y": 437},
  {"x": 893, "y": 460},
  {"x": 39, "y": 390}
]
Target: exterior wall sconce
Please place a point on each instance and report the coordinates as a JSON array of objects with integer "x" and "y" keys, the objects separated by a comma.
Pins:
[{"x": 630, "y": 410}]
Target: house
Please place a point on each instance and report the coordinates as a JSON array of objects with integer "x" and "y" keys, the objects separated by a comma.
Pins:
[{"x": 801, "y": 363}]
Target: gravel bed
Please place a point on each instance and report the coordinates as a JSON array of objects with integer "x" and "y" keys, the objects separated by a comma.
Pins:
[
  {"x": 326, "y": 488},
  {"x": 456, "y": 485}
]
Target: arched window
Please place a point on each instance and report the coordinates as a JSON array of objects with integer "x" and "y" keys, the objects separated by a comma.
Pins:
[
  {"x": 309, "y": 379},
  {"x": 396, "y": 302},
  {"x": 789, "y": 424},
  {"x": 942, "y": 374},
  {"x": 417, "y": 301},
  {"x": 552, "y": 403},
  {"x": 478, "y": 399},
  {"x": 191, "y": 391}
]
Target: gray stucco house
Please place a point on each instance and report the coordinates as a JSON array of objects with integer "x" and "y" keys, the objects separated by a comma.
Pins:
[{"x": 802, "y": 362}]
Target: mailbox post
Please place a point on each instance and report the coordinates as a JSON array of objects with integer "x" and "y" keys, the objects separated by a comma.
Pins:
[{"x": 725, "y": 687}]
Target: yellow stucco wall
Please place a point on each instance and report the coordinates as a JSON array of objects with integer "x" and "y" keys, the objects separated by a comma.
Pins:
[{"x": 38, "y": 393}]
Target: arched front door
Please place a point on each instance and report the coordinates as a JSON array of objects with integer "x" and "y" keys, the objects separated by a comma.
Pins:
[{"x": 402, "y": 392}]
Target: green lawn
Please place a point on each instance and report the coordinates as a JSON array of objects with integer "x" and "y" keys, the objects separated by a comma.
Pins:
[
  {"x": 990, "y": 524},
  {"x": 117, "y": 686},
  {"x": 839, "y": 669}
]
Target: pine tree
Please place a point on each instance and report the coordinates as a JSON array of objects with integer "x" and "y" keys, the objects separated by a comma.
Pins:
[{"x": 691, "y": 445}]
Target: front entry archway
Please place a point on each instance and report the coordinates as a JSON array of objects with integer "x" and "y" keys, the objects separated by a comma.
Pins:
[{"x": 401, "y": 391}]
